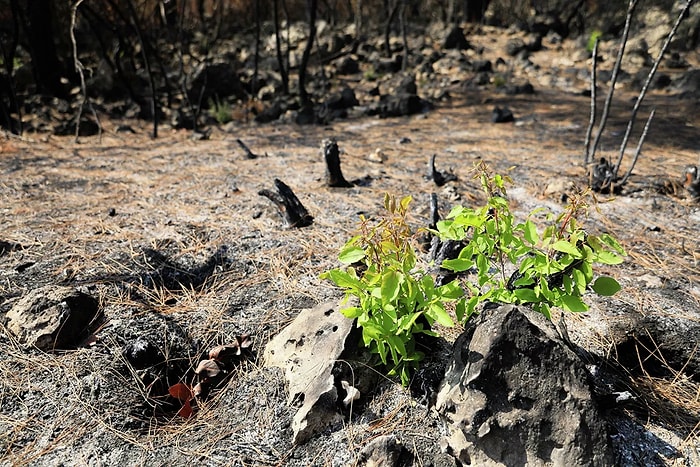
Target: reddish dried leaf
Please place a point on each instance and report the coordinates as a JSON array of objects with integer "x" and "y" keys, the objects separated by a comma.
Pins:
[
  {"x": 181, "y": 392},
  {"x": 186, "y": 410}
]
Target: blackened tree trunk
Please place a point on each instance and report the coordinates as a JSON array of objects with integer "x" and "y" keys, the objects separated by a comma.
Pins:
[
  {"x": 404, "y": 34},
  {"x": 311, "y": 12},
  {"x": 47, "y": 67},
  {"x": 256, "y": 60},
  {"x": 391, "y": 8},
  {"x": 474, "y": 10},
  {"x": 278, "y": 48}
]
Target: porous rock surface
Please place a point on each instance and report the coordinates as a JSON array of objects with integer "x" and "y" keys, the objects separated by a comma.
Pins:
[
  {"x": 52, "y": 317},
  {"x": 515, "y": 394}
]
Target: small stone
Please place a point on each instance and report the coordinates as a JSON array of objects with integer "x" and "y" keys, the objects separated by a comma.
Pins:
[
  {"x": 52, "y": 317},
  {"x": 353, "y": 393},
  {"x": 383, "y": 451},
  {"x": 502, "y": 115},
  {"x": 142, "y": 353}
]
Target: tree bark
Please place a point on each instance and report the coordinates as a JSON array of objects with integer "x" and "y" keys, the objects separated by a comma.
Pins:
[
  {"x": 47, "y": 67},
  {"x": 311, "y": 12}
]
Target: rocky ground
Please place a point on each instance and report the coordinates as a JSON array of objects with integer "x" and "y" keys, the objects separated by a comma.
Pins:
[{"x": 172, "y": 239}]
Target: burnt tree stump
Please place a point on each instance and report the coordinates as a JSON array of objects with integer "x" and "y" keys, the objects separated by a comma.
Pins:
[
  {"x": 438, "y": 177},
  {"x": 434, "y": 213},
  {"x": 289, "y": 206},
  {"x": 334, "y": 176}
]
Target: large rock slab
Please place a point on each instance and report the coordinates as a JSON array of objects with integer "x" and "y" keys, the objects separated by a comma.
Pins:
[
  {"x": 52, "y": 317},
  {"x": 307, "y": 350},
  {"x": 515, "y": 394}
]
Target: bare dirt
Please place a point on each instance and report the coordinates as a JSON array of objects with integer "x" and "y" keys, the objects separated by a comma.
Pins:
[{"x": 90, "y": 214}]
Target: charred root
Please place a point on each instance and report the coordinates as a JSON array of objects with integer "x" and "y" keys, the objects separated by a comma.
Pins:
[
  {"x": 334, "y": 176},
  {"x": 289, "y": 206}
]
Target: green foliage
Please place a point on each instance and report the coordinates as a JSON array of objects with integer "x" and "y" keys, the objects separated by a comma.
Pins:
[
  {"x": 370, "y": 74},
  {"x": 522, "y": 264},
  {"x": 220, "y": 110},
  {"x": 396, "y": 299},
  {"x": 596, "y": 34},
  {"x": 504, "y": 261},
  {"x": 499, "y": 81}
]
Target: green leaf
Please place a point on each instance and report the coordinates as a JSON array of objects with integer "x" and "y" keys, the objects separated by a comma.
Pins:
[
  {"x": 606, "y": 286},
  {"x": 587, "y": 271},
  {"x": 612, "y": 243},
  {"x": 352, "y": 312},
  {"x": 461, "y": 310},
  {"x": 566, "y": 247},
  {"x": 580, "y": 280},
  {"x": 351, "y": 254},
  {"x": 607, "y": 257},
  {"x": 450, "y": 291},
  {"x": 526, "y": 295},
  {"x": 396, "y": 343},
  {"x": 573, "y": 303},
  {"x": 406, "y": 322},
  {"x": 458, "y": 265},
  {"x": 438, "y": 313},
  {"x": 390, "y": 286},
  {"x": 530, "y": 233},
  {"x": 345, "y": 280}
]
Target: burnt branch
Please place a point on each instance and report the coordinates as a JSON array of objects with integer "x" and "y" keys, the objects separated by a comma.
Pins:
[
  {"x": 440, "y": 178},
  {"x": 248, "y": 153},
  {"x": 289, "y": 206},
  {"x": 334, "y": 176}
]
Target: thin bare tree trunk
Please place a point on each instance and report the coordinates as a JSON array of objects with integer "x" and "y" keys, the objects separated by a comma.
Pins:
[
  {"x": 645, "y": 88},
  {"x": 278, "y": 48},
  {"x": 616, "y": 70},
  {"x": 588, "y": 156},
  {"x": 404, "y": 34},
  {"x": 392, "y": 8},
  {"x": 311, "y": 12}
]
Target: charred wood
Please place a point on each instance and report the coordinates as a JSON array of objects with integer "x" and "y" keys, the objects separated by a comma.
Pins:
[
  {"x": 289, "y": 206},
  {"x": 334, "y": 175},
  {"x": 438, "y": 177}
]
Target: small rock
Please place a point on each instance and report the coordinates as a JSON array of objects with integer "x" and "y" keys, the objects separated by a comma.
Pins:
[
  {"x": 52, "y": 317},
  {"x": 502, "y": 115},
  {"x": 378, "y": 156},
  {"x": 142, "y": 353},
  {"x": 456, "y": 40},
  {"x": 347, "y": 66},
  {"x": 515, "y": 46},
  {"x": 8, "y": 247},
  {"x": 383, "y": 451}
]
